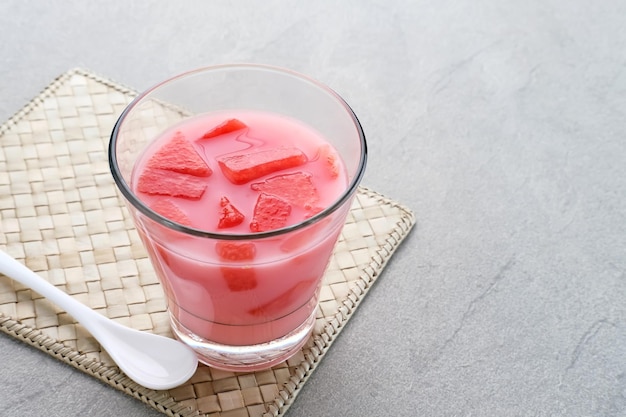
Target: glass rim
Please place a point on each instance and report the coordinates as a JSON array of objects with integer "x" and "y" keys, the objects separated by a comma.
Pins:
[{"x": 137, "y": 203}]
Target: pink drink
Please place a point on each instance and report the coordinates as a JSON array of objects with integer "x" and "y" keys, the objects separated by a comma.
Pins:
[
  {"x": 242, "y": 293},
  {"x": 239, "y": 225}
]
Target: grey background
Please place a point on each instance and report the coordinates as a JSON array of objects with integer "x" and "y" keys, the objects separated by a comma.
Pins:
[{"x": 501, "y": 123}]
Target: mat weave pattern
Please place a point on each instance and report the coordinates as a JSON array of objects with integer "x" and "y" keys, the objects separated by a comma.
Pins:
[{"x": 61, "y": 215}]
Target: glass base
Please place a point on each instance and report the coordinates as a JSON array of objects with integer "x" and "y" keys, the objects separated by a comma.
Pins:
[{"x": 245, "y": 358}]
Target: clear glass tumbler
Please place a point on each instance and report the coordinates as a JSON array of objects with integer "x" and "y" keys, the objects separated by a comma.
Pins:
[{"x": 257, "y": 325}]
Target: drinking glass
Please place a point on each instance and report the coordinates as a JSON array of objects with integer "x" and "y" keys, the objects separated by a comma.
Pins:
[{"x": 270, "y": 318}]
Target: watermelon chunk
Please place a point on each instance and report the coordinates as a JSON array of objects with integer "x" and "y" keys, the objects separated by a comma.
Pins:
[
  {"x": 329, "y": 158},
  {"x": 297, "y": 189},
  {"x": 235, "y": 251},
  {"x": 168, "y": 209},
  {"x": 270, "y": 213},
  {"x": 162, "y": 182},
  {"x": 239, "y": 169},
  {"x": 287, "y": 301},
  {"x": 179, "y": 155},
  {"x": 228, "y": 126},
  {"x": 229, "y": 215},
  {"x": 239, "y": 278}
]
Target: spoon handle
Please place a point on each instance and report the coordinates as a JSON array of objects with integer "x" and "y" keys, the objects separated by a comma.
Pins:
[{"x": 20, "y": 273}]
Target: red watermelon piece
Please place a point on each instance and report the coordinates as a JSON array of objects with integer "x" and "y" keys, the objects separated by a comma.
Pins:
[
  {"x": 236, "y": 251},
  {"x": 179, "y": 155},
  {"x": 240, "y": 169},
  {"x": 297, "y": 189},
  {"x": 228, "y": 126},
  {"x": 162, "y": 182},
  {"x": 229, "y": 215},
  {"x": 330, "y": 160},
  {"x": 287, "y": 301},
  {"x": 168, "y": 209},
  {"x": 239, "y": 278},
  {"x": 270, "y": 213}
]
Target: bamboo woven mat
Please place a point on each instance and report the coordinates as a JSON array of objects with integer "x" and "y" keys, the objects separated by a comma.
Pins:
[{"x": 61, "y": 215}]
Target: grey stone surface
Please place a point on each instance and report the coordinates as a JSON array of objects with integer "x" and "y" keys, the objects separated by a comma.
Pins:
[{"x": 501, "y": 123}]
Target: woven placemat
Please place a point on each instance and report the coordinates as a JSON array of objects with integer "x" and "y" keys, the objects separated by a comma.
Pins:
[{"x": 61, "y": 215}]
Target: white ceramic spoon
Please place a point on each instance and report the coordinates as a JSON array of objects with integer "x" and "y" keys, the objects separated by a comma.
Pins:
[{"x": 156, "y": 362}]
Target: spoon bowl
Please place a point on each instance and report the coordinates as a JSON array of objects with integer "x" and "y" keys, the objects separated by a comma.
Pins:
[{"x": 153, "y": 361}]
